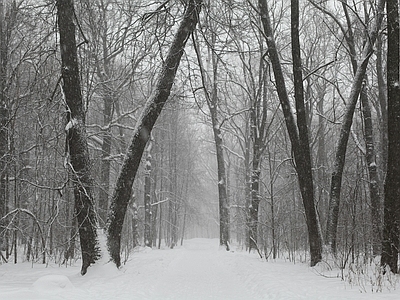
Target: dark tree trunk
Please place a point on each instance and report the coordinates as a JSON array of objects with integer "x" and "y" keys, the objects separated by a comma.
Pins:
[
  {"x": 222, "y": 193},
  {"x": 390, "y": 244},
  {"x": 259, "y": 131},
  {"x": 340, "y": 156},
  {"x": 382, "y": 94},
  {"x": 303, "y": 155},
  {"x": 298, "y": 134},
  {"x": 222, "y": 179},
  {"x": 145, "y": 123},
  {"x": 212, "y": 102},
  {"x": 374, "y": 181},
  {"x": 321, "y": 159},
  {"x": 3, "y": 117},
  {"x": 8, "y": 16},
  {"x": 76, "y": 136},
  {"x": 255, "y": 199}
]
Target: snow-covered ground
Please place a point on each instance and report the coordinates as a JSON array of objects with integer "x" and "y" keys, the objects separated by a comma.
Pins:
[{"x": 198, "y": 270}]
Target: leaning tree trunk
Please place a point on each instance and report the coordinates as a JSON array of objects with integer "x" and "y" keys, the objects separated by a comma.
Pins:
[
  {"x": 298, "y": 133},
  {"x": 76, "y": 136},
  {"x": 340, "y": 156},
  {"x": 145, "y": 123},
  {"x": 390, "y": 244}
]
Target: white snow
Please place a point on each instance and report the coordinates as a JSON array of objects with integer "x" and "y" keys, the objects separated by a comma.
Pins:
[
  {"x": 198, "y": 270},
  {"x": 73, "y": 122},
  {"x": 52, "y": 283}
]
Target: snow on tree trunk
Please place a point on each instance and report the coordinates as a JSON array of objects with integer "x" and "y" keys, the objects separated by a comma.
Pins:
[
  {"x": 145, "y": 123},
  {"x": 76, "y": 136},
  {"x": 147, "y": 199},
  {"x": 390, "y": 244}
]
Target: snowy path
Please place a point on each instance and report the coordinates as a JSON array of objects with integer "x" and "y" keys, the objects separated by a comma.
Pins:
[
  {"x": 196, "y": 271},
  {"x": 200, "y": 272}
]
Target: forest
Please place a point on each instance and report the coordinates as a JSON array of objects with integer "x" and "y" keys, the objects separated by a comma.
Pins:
[{"x": 273, "y": 125}]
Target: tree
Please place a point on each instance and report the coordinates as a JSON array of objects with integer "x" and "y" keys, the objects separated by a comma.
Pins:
[
  {"x": 144, "y": 125},
  {"x": 391, "y": 230},
  {"x": 76, "y": 136},
  {"x": 5, "y": 31},
  {"x": 147, "y": 198},
  {"x": 298, "y": 133},
  {"x": 110, "y": 30},
  {"x": 359, "y": 70},
  {"x": 213, "y": 103}
]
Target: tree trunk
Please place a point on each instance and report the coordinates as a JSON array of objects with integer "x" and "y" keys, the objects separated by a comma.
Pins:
[
  {"x": 76, "y": 136},
  {"x": 3, "y": 117},
  {"x": 374, "y": 181},
  {"x": 145, "y": 123},
  {"x": 255, "y": 198},
  {"x": 222, "y": 193},
  {"x": 390, "y": 244},
  {"x": 8, "y": 16},
  {"x": 212, "y": 102},
  {"x": 303, "y": 156},
  {"x": 259, "y": 131},
  {"x": 173, "y": 179},
  {"x": 340, "y": 156},
  {"x": 298, "y": 134},
  {"x": 147, "y": 199},
  {"x": 382, "y": 93}
]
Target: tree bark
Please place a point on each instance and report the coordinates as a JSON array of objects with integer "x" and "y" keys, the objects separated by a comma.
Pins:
[
  {"x": 303, "y": 155},
  {"x": 147, "y": 199},
  {"x": 382, "y": 95},
  {"x": 374, "y": 181},
  {"x": 298, "y": 134},
  {"x": 390, "y": 244},
  {"x": 76, "y": 136},
  {"x": 340, "y": 156},
  {"x": 259, "y": 130},
  {"x": 222, "y": 180},
  {"x": 3, "y": 116},
  {"x": 212, "y": 102},
  {"x": 145, "y": 123}
]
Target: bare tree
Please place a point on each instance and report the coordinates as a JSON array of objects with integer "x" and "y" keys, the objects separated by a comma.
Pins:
[
  {"x": 7, "y": 22},
  {"x": 145, "y": 123},
  {"x": 147, "y": 198},
  {"x": 356, "y": 88},
  {"x": 390, "y": 244},
  {"x": 76, "y": 136},
  {"x": 298, "y": 133}
]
